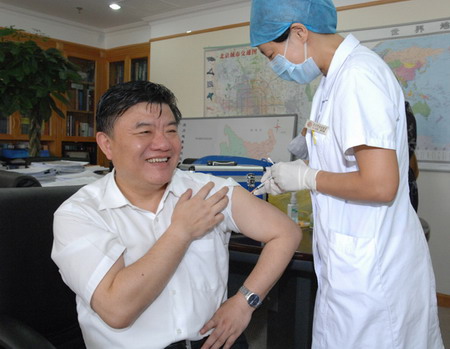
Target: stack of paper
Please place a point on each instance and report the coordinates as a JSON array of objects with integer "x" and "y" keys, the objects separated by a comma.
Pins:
[
  {"x": 56, "y": 173},
  {"x": 62, "y": 166},
  {"x": 41, "y": 173}
]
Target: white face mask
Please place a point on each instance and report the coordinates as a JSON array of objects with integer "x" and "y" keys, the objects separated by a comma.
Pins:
[{"x": 302, "y": 73}]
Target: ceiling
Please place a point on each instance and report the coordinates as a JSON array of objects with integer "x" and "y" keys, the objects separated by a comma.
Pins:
[{"x": 97, "y": 14}]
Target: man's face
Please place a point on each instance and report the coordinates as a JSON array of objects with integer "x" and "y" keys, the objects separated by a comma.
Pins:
[{"x": 144, "y": 148}]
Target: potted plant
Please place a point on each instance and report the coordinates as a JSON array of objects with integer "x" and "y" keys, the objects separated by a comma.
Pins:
[{"x": 31, "y": 80}]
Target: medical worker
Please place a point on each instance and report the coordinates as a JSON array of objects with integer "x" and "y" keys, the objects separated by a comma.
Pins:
[{"x": 376, "y": 282}]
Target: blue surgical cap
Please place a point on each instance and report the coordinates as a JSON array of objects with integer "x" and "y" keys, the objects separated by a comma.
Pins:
[{"x": 269, "y": 19}]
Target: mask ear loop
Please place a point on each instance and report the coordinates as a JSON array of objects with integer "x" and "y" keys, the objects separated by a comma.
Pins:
[
  {"x": 305, "y": 48},
  {"x": 286, "y": 46}
]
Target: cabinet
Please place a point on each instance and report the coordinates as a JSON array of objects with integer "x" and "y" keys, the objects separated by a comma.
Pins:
[
  {"x": 77, "y": 130},
  {"x": 14, "y": 133},
  {"x": 80, "y": 112},
  {"x": 128, "y": 63}
]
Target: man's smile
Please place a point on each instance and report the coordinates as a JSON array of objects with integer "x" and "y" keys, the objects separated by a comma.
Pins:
[{"x": 156, "y": 160}]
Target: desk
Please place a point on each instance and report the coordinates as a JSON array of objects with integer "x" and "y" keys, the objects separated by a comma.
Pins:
[
  {"x": 62, "y": 173},
  {"x": 288, "y": 308}
]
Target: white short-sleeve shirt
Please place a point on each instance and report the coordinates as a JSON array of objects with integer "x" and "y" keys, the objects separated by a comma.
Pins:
[{"x": 98, "y": 224}]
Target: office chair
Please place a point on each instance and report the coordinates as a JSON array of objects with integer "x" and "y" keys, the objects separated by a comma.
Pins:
[
  {"x": 14, "y": 180},
  {"x": 37, "y": 310}
]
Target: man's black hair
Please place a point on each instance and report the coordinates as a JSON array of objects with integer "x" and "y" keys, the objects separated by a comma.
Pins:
[{"x": 121, "y": 97}]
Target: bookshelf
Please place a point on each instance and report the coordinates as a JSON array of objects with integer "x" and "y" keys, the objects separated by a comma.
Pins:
[
  {"x": 128, "y": 63},
  {"x": 139, "y": 69},
  {"x": 80, "y": 120},
  {"x": 4, "y": 124},
  {"x": 86, "y": 151},
  {"x": 116, "y": 72}
]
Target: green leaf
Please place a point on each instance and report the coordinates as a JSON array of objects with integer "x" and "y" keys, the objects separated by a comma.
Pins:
[
  {"x": 31, "y": 78},
  {"x": 61, "y": 97}
]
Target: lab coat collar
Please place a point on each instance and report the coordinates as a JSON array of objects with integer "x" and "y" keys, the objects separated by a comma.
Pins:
[{"x": 342, "y": 53}]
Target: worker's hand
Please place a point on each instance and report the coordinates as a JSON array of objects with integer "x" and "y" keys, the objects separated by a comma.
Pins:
[
  {"x": 294, "y": 175},
  {"x": 228, "y": 323},
  {"x": 196, "y": 215},
  {"x": 269, "y": 186},
  {"x": 287, "y": 176}
]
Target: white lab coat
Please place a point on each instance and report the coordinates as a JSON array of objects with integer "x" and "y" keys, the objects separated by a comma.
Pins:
[{"x": 376, "y": 282}]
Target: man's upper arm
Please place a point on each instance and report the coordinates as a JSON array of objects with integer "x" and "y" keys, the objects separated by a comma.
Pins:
[{"x": 258, "y": 219}]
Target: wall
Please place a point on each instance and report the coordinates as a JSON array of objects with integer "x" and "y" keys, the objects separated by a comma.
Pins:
[
  {"x": 125, "y": 35},
  {"x": 178, "y": 63},
  {"x": 51, "y": 27}
]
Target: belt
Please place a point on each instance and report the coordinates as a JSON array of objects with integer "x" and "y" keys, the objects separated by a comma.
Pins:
[{"x": 187, "y": 344}]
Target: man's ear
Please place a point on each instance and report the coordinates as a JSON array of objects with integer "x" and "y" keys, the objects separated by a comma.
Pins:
[{"x": 104, "y": 142}]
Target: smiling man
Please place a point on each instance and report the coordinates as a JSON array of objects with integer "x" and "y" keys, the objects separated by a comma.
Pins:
[{"x": 145, "y": 248}]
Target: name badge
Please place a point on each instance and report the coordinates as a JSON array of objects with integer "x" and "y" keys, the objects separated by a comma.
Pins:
[{"x": 316, "y": 127}]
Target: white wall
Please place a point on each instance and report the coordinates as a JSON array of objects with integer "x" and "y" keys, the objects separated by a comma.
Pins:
[
  {"x": 182, "y": 70},
  {"x": 51, "y": 27},
  {"x": 121, "y": 36}
]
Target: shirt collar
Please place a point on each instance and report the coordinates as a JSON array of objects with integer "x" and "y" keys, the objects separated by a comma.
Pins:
[
  {"x": 114, "y": 198},
  {"x": 175, "y": 186}
]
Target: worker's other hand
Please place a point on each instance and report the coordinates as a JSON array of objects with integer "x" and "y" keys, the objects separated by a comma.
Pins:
[
  {"x": 269, "y": 187},
  {"x": 294, "y": 175}
]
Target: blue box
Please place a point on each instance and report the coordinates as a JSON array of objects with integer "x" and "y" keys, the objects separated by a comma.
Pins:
[{"x": 246, "y": 171}]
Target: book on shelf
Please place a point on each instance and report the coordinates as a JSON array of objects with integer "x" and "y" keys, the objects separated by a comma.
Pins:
[
  {"x": 90, "y": 99},
  {"x": 82, "y": 97},
  {"x": 139, "y": 72},
  {"x": 84, "y": 129},
  {"x": 81, "y": 100}
]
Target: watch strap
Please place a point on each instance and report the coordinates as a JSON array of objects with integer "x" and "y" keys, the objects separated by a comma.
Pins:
[{"x": 252, "y": 298}]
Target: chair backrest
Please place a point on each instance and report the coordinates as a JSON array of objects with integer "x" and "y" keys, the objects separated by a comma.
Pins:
[
  {"x": 14, "y": 180},
  {"x": 31, "y": 288}
]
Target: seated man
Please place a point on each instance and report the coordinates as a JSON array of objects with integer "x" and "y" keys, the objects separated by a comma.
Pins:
[{"x": 145, "y": 248}]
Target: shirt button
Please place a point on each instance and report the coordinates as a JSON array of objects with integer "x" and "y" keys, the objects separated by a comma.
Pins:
[
  {"x": 174, "y": 292},
  {"x": 179, "y": 331}
]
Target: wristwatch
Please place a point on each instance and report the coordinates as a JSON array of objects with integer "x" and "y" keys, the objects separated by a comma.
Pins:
[{"x": 253, "y": 299}]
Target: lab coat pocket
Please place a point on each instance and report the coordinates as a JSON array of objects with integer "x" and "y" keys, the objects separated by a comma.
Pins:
[
  {"x": 352, "y": 261},
  {"x": 354, "y": 297},
  {"x": 352, "y": 272}
]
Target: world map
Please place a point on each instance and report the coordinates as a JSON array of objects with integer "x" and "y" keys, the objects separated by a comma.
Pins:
[{"x": 422, "y": 68}]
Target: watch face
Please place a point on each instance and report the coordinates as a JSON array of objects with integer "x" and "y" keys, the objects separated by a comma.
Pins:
[{"x": 253, "y": 300}]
